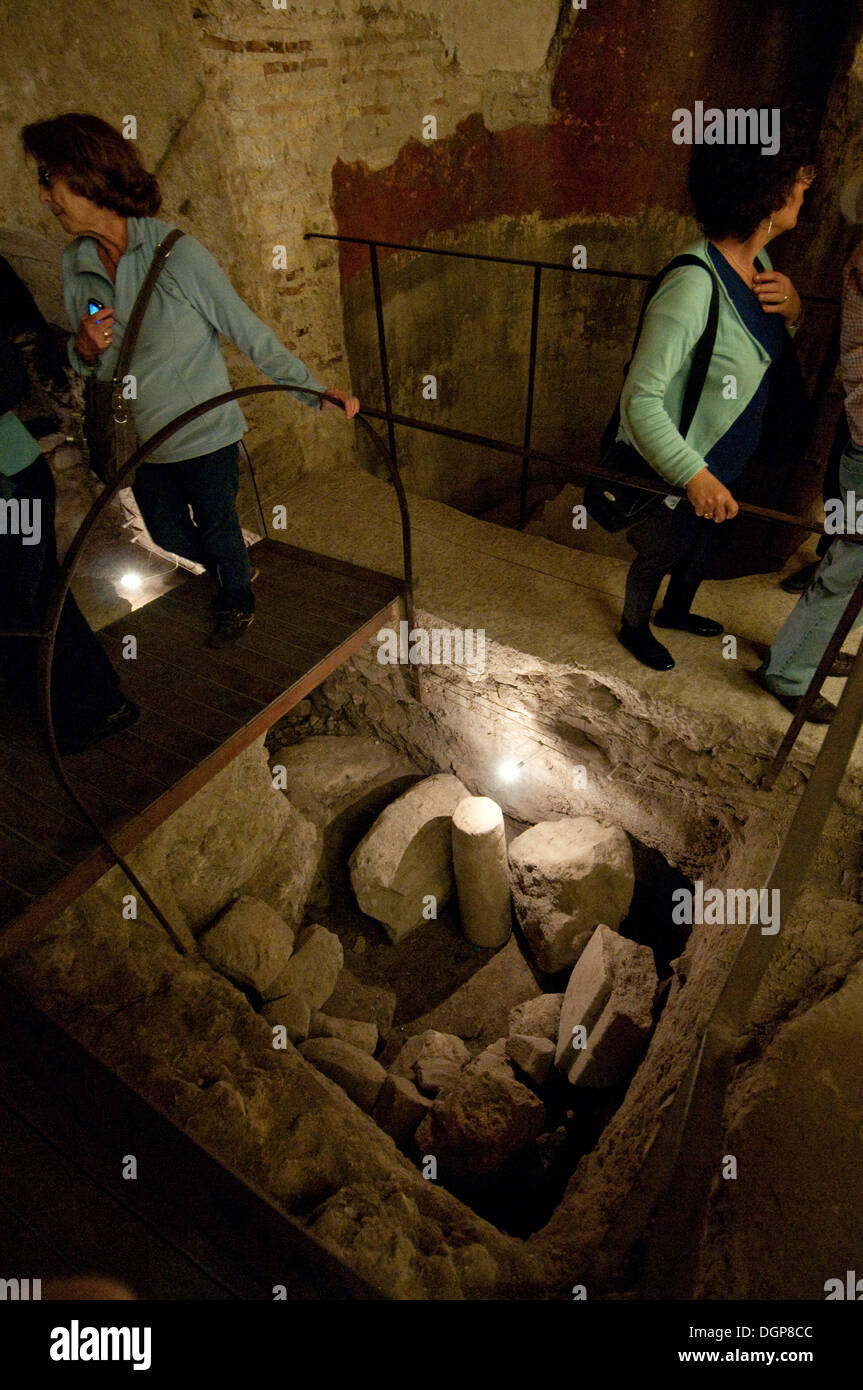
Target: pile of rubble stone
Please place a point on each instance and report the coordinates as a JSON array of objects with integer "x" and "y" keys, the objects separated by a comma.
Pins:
[{"x": 570, "y": 884}]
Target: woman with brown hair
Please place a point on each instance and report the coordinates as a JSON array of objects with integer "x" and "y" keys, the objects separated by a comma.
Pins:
[
  {"x": 92, "y": 180},
  {"x": 742, "y": 200}
]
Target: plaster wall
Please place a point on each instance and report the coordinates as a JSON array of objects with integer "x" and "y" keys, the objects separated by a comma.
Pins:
[{"x": 553, "y": 129}]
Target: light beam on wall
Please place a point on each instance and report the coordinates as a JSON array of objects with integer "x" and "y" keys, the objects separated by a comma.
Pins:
[{"x": 509, "y": 770}]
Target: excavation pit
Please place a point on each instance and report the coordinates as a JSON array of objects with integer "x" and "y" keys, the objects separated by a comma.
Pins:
[{"x": 678, "y": 772}]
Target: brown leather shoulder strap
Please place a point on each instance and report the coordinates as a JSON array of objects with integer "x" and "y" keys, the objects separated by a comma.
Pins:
[{"x": 130, "y": 337}]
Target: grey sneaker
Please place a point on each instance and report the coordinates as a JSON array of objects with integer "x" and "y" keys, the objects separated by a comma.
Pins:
[{"x": 230, "y": 626}]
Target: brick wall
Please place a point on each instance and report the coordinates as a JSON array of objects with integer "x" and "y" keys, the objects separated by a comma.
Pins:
[{"x": 299, "y": 90}]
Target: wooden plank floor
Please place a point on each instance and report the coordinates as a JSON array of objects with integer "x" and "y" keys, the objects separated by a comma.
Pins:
[{"x": 199, "y": 709}]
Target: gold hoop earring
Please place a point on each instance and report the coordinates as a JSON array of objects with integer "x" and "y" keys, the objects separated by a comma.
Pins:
[{"x": 769, "y": 228}]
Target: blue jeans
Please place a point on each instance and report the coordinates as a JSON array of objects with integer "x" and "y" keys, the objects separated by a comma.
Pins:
[
  {"x": 802, "y": 639},
  {"x": 189, "y": 509}
]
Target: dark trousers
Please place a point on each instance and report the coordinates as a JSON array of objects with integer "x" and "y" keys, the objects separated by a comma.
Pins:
[
  {"x": 675, "y": 542},
  {"x": 189, "y": 509},
  {"x": 84, "y": 685}
]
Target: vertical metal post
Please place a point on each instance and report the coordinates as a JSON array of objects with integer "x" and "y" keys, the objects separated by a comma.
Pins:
[
  {"x": 382, "y": 347},
  {"x": 822, "y": 671},
  {"x": 264, "y": 529},
  {"x": 528, "y": 410}
]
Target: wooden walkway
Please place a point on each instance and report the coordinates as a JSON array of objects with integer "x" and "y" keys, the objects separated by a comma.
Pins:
[{"x": 199, "y": 709}]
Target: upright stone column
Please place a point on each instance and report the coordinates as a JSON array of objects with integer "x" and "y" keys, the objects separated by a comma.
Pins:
[{"x": 481, "y": 871}]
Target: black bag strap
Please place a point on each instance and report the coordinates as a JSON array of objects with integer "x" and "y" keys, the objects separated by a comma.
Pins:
[
  {"x": 700, "y": 357},
  {"x": 133, "y": 328}
]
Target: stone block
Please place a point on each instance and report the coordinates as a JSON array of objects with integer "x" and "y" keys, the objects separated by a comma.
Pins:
[
  {"x": 539, "y": 1017},
  {"x": 610, "y": 994},
  {"x": 533, "y": 1056},
  {"x": 480, "y": 1123},
  {"x": 432, "y": 1060},
  {"x": 313, "y": 969},
  {"x": 361, "y": 1035},
  {"x": 236, "y": 835},
  {"x": 399, "y": 1108},
  {"x": 353, "y": 998},
  {"x": 329, "y": 776},
  {"x": 292, "y": 1012},
  {"x": 492, "y": 1061},
  {"x": 354, "y": 1070},
  {"x": 407, "y": 855},
  {"x": 250, "y": 943},
  {"x": 340, "y": 783},
  {"x": 567, "y": 876}
]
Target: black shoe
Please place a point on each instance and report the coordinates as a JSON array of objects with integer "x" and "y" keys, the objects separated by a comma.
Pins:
[
  {"x": 688, "y": 622},
  {"x": 641, "y": 642},
  {"x": 77, "y": 741},
  {"x": 822, "y": 710},
  {"x": 230, "y": 627},
  {"x": 796, "y": 583},
  {"x": 219, "y": 605}
]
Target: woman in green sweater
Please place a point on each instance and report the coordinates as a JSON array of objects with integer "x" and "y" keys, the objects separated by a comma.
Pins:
[{"x": 743, "y": 200}]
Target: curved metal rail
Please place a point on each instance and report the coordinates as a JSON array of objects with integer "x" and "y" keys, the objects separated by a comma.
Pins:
[{"x": 70, "y": 564}]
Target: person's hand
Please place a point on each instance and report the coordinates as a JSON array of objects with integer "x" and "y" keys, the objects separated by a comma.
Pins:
[
  {"x": 351, "y": 403},
  {"x": 710, "y": 498},
  {"x": 777, "y": 295},
  {"x": 95, "y": 334}
]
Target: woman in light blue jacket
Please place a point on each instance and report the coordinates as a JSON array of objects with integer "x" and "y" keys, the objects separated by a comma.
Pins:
[
  {"x": 743, "y": 200},
  {"x": 93, "y": 182}
]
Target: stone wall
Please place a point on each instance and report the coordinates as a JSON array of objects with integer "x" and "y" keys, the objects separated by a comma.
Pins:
[
  {"x": 228, "y": 175},
  {"x": 580, "y": 154},
  {"x": 553, "y": 126}
]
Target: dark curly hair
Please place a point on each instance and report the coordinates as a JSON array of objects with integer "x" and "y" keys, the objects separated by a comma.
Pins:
[
  {"x": 96, "y": 162},
  {"x": 735, "y": 187}
]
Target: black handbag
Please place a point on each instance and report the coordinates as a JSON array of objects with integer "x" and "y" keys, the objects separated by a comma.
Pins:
[
  {"x": 613, "y": 505},
  {"x": 14, "y": 381},
  {"x": 108, "y": 430}
]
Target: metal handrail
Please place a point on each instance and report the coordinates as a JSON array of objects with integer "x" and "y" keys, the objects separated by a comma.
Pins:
[
  {"x": 824, "y": 375},
  {"x": 510, "y": 260},
  {"x": 591, "y": 470}
]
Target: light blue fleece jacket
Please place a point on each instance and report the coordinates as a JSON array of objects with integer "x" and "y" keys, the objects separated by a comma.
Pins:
[
  {"x": 177, "y": 362},
  {"x": 652, "y": 398}
]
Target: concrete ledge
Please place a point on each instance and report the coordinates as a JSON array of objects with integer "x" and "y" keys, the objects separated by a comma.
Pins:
[{"x": 563, "y": 606}]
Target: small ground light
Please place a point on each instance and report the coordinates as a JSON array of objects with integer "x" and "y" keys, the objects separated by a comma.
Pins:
[
  {"x": 131, "y": 581},
  {"x": 509, "y": 770}
]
